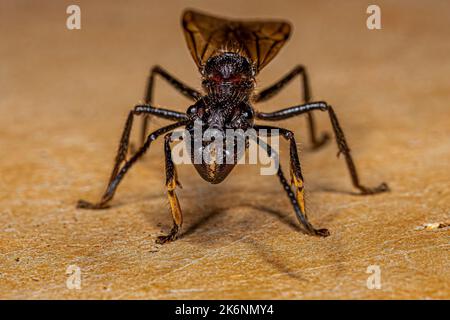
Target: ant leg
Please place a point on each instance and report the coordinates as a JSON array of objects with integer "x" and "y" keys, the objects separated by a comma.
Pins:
[
  {"x": 185, "y": 90},
  {"x": 119, "y": 171},
  {"x": 271, "y": 91},
  {"x": 297, "y": 200},
  {"x": 343, "y": 148},
  {"x": 171, "y": 183},
  {"x": 340, "y": 139}
]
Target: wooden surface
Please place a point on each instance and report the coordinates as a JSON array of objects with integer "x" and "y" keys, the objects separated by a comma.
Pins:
[{"x": 64, "y": 96}]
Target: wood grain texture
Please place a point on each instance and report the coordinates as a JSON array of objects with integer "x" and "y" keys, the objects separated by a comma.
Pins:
[{"x": 64, "y": 96}]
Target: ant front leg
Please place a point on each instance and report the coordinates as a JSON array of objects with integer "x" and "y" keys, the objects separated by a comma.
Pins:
[
  {"x": 297, "y": 200},
  {"x": 184, "y": 89},
  {"x": 338, "y": 132},
  {"x": 120, "y": 170},
  {"x": 274, "y": 89},
  {"x": 171, "y": 183}
]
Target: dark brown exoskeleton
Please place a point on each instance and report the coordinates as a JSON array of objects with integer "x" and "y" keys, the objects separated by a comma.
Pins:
[{"x": 229, "y": 54}]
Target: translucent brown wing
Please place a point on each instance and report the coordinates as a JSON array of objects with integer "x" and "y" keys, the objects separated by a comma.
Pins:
[{"x": 260, "y": 41}]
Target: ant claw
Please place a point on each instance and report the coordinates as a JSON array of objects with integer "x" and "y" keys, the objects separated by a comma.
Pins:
[
  {"x": 165, "y": 239},
  {"x": 82, "y": 204},
  {"x": 173, "y": 235},
  {"x": 383, "y": 187},
  {"x": 322, "y": 232}
]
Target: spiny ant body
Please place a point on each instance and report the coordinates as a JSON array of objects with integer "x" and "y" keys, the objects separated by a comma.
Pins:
[{"x": 229, "y": 55}]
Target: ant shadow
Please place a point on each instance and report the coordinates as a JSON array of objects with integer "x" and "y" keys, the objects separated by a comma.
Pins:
[
  {"x": 270, "y": 256},
  {"x": 216, "y": 211},
  {"x": 209, "y": 215},
  {"x": 329, "y": 189},
  {"x": 274, "y": 259}
]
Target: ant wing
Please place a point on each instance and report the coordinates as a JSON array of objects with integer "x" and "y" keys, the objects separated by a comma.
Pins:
[{"x": 259, "y": 41}]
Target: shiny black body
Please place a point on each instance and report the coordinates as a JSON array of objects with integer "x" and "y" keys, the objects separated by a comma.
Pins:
[{"x": 228, "y": 82}]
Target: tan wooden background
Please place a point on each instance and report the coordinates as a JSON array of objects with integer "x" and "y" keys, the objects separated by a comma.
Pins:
[{"x": 64, "y": 96}]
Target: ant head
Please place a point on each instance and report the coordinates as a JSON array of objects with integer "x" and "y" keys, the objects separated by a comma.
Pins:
[{"x": 228, "y": 76}]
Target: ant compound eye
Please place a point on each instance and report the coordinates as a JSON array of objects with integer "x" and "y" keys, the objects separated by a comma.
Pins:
[
  {"x": 192, "y": 111},
  {"x": 195, "y": 111},
  {"x": 247, "y": 114}
]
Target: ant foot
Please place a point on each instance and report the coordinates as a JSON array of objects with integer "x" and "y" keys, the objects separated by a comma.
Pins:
[
  {"x": 383, "y": 187},
  {"x": 321, "y": 232},
  {"x": 173, "y": 235},
  {"x": 82, "y": 204}
]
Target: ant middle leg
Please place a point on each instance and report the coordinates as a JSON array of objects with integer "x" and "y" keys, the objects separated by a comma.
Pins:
[
  {"x": 184, "y": 89},
  {"x": 339, "y": 135},
  {"x": 122, "y": 165},
  {"x": 275, "y": 88}
]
